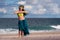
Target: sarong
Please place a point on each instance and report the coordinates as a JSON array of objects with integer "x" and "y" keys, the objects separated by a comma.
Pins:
[{"x": 23, "y": 26}]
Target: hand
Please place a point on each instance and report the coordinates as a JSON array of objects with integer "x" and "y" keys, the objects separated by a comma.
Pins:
[{"x": 16, "y": 12}]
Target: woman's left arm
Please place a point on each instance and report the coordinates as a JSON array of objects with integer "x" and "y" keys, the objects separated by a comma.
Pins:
[{"x": 25, "y": 11}]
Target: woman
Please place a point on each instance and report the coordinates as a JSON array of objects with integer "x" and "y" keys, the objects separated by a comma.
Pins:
[{"x": 22, "y": 23}]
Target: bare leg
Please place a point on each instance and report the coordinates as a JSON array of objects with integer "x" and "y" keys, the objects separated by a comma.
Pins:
[
  {"x": 19, "y": 34},
  {"x": 22, "y": 33}
]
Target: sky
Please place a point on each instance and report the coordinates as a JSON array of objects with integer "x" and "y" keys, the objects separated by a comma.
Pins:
[{"x": 35, "y": 8}]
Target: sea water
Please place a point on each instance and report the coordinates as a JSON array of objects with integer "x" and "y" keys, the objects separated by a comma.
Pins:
[{"x": 9, "y": 25}]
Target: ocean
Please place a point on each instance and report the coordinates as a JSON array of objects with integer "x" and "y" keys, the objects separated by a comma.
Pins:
[{"x": 10, "y": 25}]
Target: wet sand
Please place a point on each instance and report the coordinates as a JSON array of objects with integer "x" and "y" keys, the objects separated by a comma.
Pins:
[{"x": 32, "y": 36}]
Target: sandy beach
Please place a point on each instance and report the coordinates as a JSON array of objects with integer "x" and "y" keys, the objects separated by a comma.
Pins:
[{"x": 32, "y": 36}]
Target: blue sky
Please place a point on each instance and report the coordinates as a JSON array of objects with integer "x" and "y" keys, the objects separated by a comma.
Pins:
[{"x": 36, "y": 8}]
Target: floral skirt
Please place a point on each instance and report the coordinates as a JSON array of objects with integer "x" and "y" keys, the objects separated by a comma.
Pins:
[{"x": 23, "y": 26}]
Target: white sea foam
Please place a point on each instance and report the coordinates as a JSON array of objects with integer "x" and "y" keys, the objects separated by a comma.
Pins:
[
  {"x": 8, "y": 31},
  {"x": 56, "y": 26},
  {"x": 15, "y": 31}
]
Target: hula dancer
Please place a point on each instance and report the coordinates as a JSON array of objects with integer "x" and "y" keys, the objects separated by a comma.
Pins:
[{"x": 22, "y": 22}]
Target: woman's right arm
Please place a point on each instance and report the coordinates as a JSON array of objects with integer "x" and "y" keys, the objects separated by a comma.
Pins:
[{"x": 19, "y": 12}]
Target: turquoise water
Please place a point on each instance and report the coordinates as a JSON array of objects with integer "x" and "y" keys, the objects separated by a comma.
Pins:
[{"x": 41, "y": 28}]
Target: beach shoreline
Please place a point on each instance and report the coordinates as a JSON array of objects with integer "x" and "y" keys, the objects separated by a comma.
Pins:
[{"x": 32, "y": 36}]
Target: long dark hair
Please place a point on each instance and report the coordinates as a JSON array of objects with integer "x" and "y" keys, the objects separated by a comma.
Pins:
[{"x": 22, "y": 9}]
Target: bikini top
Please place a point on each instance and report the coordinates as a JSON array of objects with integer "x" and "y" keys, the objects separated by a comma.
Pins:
[{"x": 20, "y": 14}]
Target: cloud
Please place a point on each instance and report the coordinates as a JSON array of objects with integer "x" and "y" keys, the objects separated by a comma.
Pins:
[
  {"x": 47, "y": 8},
  {"x": 14, "y": 8},
  {"x": 39, "y": 11},
  {"x": 3, "y": 10},
  {"x": 42, "y": 11},
  {"x": 54, "y": 8},
  {"x": 29, "y": 7},
  {"x": 39, "y": 6},
  {"x": 47, "y": 0},
  {"x": 22, "y": 2},
  {"x": 34, "y": 1}
]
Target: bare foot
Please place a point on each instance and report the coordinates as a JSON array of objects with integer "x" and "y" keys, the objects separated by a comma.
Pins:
[{"x": 19, "y": 36}]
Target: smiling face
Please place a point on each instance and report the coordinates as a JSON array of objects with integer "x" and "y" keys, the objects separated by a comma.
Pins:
[{"x": 21, "y": 7}]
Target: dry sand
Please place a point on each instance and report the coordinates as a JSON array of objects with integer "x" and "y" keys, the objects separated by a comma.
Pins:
[{"x": 32, "y": 36}]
